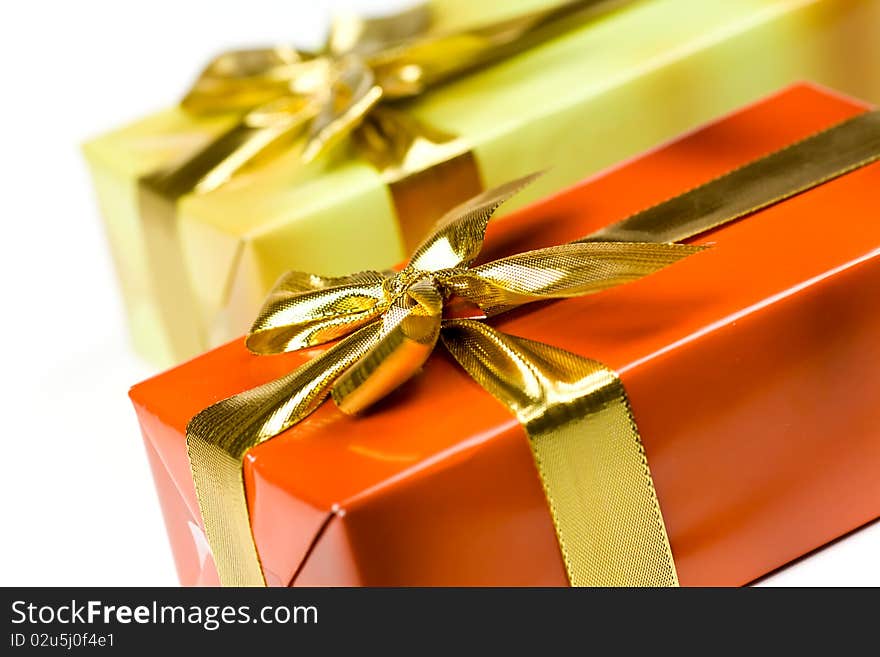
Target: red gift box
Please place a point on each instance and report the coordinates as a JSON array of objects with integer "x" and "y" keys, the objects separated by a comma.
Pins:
[{"x": 753, "y": 371}]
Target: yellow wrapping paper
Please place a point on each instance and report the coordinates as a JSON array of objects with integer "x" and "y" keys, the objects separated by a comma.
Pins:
[{"x": 590, "y": 97}]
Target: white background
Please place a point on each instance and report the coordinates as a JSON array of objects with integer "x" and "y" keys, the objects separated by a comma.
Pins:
[{"x": 76, "y": 497}]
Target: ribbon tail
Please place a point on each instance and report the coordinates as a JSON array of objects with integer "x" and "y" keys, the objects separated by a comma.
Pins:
[
  {"x": 587, "y": 451},
  {"x": 218, "y": 438}
]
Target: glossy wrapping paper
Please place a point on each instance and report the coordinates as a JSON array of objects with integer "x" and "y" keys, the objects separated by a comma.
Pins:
[
  {"x": 752, "y": 371},
  {"x": 578, "y": 103}
]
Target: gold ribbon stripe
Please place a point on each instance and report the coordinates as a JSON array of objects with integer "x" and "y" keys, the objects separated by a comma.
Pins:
[
  {"x": 780, "y": 175},
  {"x": 587, "y": 451}
]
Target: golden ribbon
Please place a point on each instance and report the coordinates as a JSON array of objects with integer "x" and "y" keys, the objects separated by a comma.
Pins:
[
  {"x": 285, "y": 98},
  {"x": 575, "y": 412}
]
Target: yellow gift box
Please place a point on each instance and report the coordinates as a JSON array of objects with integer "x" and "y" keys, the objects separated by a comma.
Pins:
[{"x": 599, "y": 89}]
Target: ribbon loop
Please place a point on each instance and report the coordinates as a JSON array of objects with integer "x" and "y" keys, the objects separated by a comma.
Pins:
[
  {"x": 240, "y": 80},
  {"x": 557, "y": 272},
  {"x": 304, "y": 311},
  {"x": 458, "y": 236}
]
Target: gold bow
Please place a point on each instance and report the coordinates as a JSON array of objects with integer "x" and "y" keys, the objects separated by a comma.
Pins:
[
  {"x": 284, "y": 93},
  {"x": 575, "y": 412},
  {"x": 393, "y": 320}
]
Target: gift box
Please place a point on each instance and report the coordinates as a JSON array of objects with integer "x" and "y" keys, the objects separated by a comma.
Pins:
[
  {"x": 195, "y": 264},
  {"x": 750, "y": 368}
]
